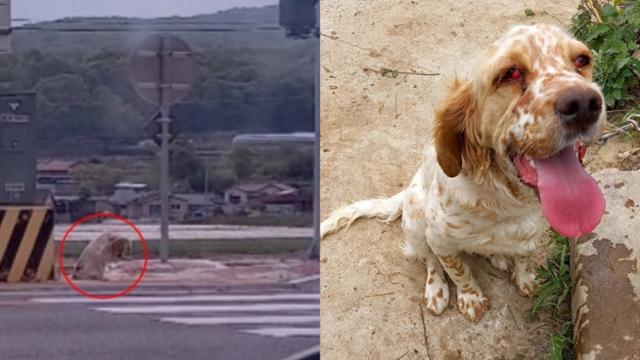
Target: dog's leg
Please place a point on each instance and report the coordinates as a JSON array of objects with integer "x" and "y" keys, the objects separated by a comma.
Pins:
[
  {"x": 436, "y": 292},
  {"x": 523, "y": 277},
  {"x": 472, "y": 302},
  {"x": 502, "y": 262}
]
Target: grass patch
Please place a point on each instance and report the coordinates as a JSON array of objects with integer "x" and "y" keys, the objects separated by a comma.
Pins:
[
  {"x": 293, "y": 220},
  {"x": 554, "y": 300},
  {"x": 203, "y": 249},
  {"x": 612, "y": 30}
]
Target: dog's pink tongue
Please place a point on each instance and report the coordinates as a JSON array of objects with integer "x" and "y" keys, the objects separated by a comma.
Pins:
[{"x": 571, "y": 200}]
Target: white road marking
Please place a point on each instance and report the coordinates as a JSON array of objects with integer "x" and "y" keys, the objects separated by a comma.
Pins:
[
  {"x": 305, "y": 353},
  {"x": 71, "y": 294},
  {"x": 241, "y": 320},
  {"x": 175, "y": 309},
  {"x": 176, "y": 299},
  {"x": 305, "y": 279},
  {"x": 284, "y": 332},
  {"x": 278, "y": 317}
]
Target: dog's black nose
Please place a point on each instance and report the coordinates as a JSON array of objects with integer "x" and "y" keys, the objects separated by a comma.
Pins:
[{"x": 579, "y": 107}]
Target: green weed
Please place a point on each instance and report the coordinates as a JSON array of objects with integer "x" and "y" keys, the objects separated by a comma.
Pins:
[
  {"x": 554, "y": 298},
  {"x": 611, "y": 29}
]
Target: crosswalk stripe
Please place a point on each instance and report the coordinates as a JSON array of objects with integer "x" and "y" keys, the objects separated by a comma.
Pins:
[
  {"x": 242, "y": 320},
  {"x": 207, "y": 308},
  {"x": 69, "y": 293},
  {"x": 176, "y": 299},
  {"x": 284, "y": 332}
]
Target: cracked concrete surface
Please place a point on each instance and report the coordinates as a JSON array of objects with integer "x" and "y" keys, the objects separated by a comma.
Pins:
[
  {"x": 374, "y": 128},
  {"x": 606, "y": 298}
]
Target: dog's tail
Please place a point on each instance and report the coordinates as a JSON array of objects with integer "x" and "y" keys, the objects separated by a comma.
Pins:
[{"x": 385, "y": 210}]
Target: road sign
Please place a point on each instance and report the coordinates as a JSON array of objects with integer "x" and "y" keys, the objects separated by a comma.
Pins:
[
  {"x": 162, "y": 62},
  {"x": 17, "y": 149}
]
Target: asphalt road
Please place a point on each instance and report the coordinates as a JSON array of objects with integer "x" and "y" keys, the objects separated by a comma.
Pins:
[{"x": 159, "y": 322}]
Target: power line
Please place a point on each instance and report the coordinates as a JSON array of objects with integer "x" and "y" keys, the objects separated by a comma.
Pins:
[
  {"x": 133, "y": 22},
  {"x": 144, "y": 29},
  {"x": 194, "y": 102}
]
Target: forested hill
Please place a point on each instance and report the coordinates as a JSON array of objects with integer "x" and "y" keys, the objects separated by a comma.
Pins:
[{"x": 251, "y": 78}]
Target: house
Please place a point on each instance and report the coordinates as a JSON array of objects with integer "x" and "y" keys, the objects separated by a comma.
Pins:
[
  {"x": 248, "y": 197},
  {"x": 71, "y": 207},
  {"x": 149, "y": 206},
  {"x": 124, "y": 193},
  {"x": 56, "y": 176},
  {"x": 183, "y": 206},
  {"x": 199, "y": 204},
  {"x": 288, "y": 202}
]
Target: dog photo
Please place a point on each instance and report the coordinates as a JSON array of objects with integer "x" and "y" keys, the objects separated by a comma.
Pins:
[{"x": 472, "y": 133}]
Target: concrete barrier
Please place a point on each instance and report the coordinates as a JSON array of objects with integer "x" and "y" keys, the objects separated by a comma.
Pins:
[
  {"x": 606, "y": 276},
  {"x": 26, "y": 243}
]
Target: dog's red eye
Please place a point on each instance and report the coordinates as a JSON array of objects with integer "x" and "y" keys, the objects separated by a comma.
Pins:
[
  {"x": 582, "y": 61},
  {"x": 512, "y": 74}
]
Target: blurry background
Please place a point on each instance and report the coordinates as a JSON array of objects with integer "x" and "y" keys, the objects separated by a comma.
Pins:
[{"x": 95, "y": 134}]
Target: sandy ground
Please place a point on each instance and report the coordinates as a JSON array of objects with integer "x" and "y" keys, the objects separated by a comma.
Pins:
[{"x": 373, "y": 131}]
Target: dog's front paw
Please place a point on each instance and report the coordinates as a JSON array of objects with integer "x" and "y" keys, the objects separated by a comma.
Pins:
[
  {"x": 526, "y": 283},
  {"x": 472, "y": 304},
  {"x": 436, "y": 294}
]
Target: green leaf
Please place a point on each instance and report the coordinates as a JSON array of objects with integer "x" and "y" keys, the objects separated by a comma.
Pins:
[
  {"x": 529, "y": 12},
  {"x": 597, "y": 31},
  {"x": 608, "y": 11},
  {"x": 616, "y": 94},
  {"x": 609, "y": 100},
  {"x": 622, "y": 63},
  {"x": 618, "y": 46}
]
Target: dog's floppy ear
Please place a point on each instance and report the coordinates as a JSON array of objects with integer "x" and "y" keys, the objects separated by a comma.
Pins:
[{"x": 453, "y": 116}]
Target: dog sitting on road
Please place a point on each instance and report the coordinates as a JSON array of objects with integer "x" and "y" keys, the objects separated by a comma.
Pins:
[
  {"x": 508, "y": 145},
  {"x": 101, "y": 252}
]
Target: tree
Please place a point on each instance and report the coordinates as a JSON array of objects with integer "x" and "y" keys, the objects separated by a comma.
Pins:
[
  {"x": 219, "y": 181},
  {"x": 97, "y": 179},
  {"x": 185, "y": 164},
  {"x": 242, "y": 163},
  {"x": 248, "y": 82}
]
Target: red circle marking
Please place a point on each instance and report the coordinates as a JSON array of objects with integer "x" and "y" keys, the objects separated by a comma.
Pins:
[{"x": 66, "y": 277}]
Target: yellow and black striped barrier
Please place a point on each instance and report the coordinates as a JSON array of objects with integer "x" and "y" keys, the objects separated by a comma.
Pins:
[{"x": 26, "y": 243}]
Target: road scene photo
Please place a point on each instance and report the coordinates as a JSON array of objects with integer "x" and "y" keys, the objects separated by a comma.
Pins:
[{"x": 159, "y": 180}]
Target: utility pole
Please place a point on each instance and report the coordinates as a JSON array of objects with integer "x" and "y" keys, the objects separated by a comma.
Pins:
[
  {"x": 5, "y": 26},
  {"x": 206, "y": 179},
  {"x": 314, "y": 251},
  {"x": 301, "y": 19},
  {"x": 164, "y": 121},
  {"x": 162, "y": 71}
]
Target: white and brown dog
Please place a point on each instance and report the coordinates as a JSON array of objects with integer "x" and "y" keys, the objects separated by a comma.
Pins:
[
  {"x": 509, "y": 144},
  {"x": 101, "y": 252}
]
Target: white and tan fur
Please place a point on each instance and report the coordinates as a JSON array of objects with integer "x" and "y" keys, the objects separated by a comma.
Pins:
[
  {"x": 99, "y": 254},
  {"x": 466, "y": 196}
]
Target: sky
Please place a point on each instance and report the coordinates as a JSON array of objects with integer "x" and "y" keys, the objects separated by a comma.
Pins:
[{"x": 38, "y": 10}]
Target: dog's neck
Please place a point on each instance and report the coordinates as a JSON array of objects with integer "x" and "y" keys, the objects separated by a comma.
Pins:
[{"x": 499, "y": 180}]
